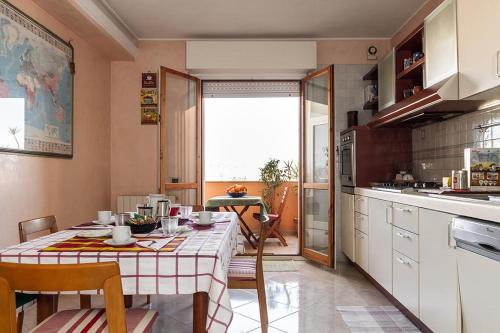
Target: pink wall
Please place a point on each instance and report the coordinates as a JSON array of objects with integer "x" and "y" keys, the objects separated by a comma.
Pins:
[
  {"x": 414, "y": 21},
  {"x": 134, "y": 147},
  {"x": 74, "y": 189}
]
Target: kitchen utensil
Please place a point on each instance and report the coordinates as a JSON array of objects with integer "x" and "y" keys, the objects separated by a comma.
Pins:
[
  {"x": 153, "y": 200},
  {"x": 104, "y": 216},
  {"x": 169, "y": 225},
  {"x": 122, "y": 218},
  {"x": 121, "y": 234},
  {"x": 145, "y": 210},
  {"x": 163, "y": 208},
  {"x": 174, "y": 209},
  {"x": 205, "y": 217}
]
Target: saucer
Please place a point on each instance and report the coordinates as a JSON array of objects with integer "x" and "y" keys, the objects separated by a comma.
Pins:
[
  {"x": 183, "y": 228},
  {"x": 103, "y": 223},
  {"x": 94, "y": 233},
  {"x": 130, "y": 241},
  {"x": 197, "y": 222}
]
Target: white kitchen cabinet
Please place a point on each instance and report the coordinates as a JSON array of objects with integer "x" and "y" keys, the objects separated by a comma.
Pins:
[
  {"x": 405, "y": 282},
  {"x": 405, "y": 217},
  {"x": 386, "y": 81},
  {"x": 347, "y": 225},
  {"x": 439, "y": 298},
  {"x": 362, "y": 250},
  {"x": 478, "y": 45},
  {"x": 440, "y": 43},
  {"x": 380, "y": 244},
  {"x": 361, "y": 222},
  {"x": 405, "y": 242},
  {"x": 361, "y": 204}
]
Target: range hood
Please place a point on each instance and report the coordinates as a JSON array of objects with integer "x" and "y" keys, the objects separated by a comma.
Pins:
[{"x": 436, "y": 103}]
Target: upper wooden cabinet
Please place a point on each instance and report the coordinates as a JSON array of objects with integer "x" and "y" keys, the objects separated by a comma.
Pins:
[
  {"x": 386, "y": 81},
  {"x": 478, "y": 46},
  {"x": 440, "y": 43}
]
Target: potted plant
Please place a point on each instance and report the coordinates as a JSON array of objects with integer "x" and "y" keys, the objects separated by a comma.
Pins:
[{"x": 273, "y": 176}]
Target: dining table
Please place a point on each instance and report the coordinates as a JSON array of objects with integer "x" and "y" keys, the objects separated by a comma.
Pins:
[
  {"x": 194, "y": 262},
  {"x": 245, "y": 202}
]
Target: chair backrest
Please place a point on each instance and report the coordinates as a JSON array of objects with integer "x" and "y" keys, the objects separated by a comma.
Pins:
[
  {"x": 284, "y": 196},
  {"x": 33, "y": 226},
  {"x": 264, "y": 225},
  {"x": 62, "y": 277}
]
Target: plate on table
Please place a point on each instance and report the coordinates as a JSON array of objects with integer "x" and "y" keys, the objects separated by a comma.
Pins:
[
  {"x": 111, "y": 242},
  {"x": 94, "y": 233},
  {"x": 111, "y": 221},
  {"x": 183, "y": 228},
  {"x": 206, "y": 224}
]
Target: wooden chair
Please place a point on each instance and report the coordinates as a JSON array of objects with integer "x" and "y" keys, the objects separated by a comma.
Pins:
[
  {"x": 74, "y": 277},
  {"x": 248, "y": 273},
  {"x": 30, "y": 227},
  {"x": 275, "y": 219},
  {"x": 198, "y": 208}
]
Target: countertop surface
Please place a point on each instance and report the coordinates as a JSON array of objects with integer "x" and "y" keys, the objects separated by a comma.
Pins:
[{"x": 475, "y": 208}]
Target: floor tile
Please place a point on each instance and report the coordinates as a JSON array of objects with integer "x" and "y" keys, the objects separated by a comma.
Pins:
[
  {"x": 275, "y": 310},
  {"x": 242, "y": 324},
  {"x": 241, "y": 297}
]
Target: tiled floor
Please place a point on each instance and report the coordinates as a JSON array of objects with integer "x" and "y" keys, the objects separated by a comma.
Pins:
[
  {"x": 274, "y": 246},
  {"x": 302, "y": 301}
]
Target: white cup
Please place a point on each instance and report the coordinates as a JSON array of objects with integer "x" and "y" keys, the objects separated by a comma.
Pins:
[
  {"x": 121, "y": 234},
  {"x": 104, "y": 216},
  {"x": 205, "y": 217}
]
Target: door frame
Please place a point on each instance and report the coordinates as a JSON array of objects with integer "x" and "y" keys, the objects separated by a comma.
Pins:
[
  {"x": 329, "y": 259},
  {"x": 162, "y": 86}
]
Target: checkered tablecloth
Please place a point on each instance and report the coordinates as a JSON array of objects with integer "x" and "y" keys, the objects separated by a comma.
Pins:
[{"x": 199, "y": 264}]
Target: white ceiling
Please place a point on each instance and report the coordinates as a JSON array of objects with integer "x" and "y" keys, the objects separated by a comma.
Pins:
[{"x": 212, "y": 19}]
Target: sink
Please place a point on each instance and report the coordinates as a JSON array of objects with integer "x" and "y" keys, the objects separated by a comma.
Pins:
[{"x": 471, "y": 197}]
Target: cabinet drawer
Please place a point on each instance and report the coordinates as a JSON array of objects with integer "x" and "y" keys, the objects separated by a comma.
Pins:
[
  {"x": 362, "y": 250},
  {"x": 405, "y": 242},
  {"x": 361, "y": 204},
  {"x": 405, "y": 217},
  {"x": 405, "y": 281},
  {"x": 361, "y": 222}
]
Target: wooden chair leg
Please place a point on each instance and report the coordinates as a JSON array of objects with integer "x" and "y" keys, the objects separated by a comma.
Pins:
[
  {"x": 20, "y": 319},
  {"x": 128, "y": 301},
  {"x": 261, "y": 294},
  {"x": 85, "y": 302},
  {"x": 148, "y": 299},
  {"x": 281, "y": 238}
]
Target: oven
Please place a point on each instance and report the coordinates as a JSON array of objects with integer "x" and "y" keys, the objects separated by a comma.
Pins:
[{"x": 347, "y": 154}]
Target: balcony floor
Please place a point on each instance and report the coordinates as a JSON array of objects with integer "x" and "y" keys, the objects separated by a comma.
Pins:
[{"x": 273, "y": 246}]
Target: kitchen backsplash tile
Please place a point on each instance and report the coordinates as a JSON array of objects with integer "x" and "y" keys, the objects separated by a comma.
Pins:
[{"x": 438, "y": 148}]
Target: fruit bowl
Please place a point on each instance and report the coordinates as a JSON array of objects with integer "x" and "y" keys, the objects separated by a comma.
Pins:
[
  {"x": 236, "y": 194},
  {"x": 141, "y": 224},
  {"x": 236, "y": 191}
]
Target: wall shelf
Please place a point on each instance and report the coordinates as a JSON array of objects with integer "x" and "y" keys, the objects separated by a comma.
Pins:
[{"x": 415, "y": 71}]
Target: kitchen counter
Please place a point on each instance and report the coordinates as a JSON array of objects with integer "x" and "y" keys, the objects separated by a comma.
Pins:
[{"x": 472, "y": 208}]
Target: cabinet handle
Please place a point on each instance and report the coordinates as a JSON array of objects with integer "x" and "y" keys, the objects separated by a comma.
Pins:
[
  {"x": 450, "y": 224},
  {"x": 388, "y": 214},
  {"x": 404, "y": 210},
  {"x": 403, "y": 235},
  {"x": 402, "y": 261},
  {"x": 498, "y": 69}
]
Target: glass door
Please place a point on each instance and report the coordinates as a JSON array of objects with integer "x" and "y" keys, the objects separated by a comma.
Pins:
[
  {"x": 180, "y": 133},
  {"x": 317, "y": 188}
]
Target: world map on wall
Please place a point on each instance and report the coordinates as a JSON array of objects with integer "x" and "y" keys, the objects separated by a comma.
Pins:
[{"x": 36, "y": 86}]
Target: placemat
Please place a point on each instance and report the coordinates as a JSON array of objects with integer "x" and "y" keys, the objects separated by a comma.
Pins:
[{"x": 77, "y": 244}]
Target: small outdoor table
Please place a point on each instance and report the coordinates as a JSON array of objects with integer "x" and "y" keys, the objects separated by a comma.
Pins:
[{"x": 230, "y": 204}]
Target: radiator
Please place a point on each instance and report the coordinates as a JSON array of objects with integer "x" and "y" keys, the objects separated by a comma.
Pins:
[{"x": 128, "y": 203}]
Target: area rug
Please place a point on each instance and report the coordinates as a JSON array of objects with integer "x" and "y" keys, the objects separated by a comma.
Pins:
[
  {"x": 279, "y": 266},
  {"x": 376, "y": 319}
]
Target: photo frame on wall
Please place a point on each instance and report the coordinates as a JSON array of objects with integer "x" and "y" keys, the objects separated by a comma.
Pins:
[{"x": 36, "y": 87}]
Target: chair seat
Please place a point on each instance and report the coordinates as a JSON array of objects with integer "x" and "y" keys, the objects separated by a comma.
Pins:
[
  {"x": 271, "y": 217},
  {"x": 242, "y": 269},
  {"x": 94, "y": 320},
  {"x": 23, "y": 299}
]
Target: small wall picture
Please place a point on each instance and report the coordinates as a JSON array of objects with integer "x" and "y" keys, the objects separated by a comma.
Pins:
[
  {"x": 149, "y": 115},
  {"x": 149, "y": 96}
]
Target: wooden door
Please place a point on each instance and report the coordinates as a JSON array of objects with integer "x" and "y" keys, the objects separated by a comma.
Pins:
[
  {"x": 317, "y": 167},
  {"x": 180, "y": 135}
]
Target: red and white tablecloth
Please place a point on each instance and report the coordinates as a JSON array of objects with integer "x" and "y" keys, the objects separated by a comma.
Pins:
[{"x": 199, "y": 264}]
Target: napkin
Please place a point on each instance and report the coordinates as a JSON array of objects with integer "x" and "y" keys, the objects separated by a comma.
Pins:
[{"x": 155, "y": 245}]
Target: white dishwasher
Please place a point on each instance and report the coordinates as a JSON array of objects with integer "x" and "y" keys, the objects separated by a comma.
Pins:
[{"x": 478, "y": 259}]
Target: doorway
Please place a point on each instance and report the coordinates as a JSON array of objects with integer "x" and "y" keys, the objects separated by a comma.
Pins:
[{"x": 251, "y": 137}]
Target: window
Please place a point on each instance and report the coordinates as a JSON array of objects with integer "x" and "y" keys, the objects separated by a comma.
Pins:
[{"x": 246, "y": 124}]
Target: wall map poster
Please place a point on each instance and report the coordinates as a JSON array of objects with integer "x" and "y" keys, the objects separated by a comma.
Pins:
[
  {"x": 36, "y": 87},
  {"x": 149, "y": 99}
]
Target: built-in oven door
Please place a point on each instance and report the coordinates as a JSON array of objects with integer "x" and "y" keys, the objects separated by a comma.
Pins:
[{"x": 347, "y": 165}]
